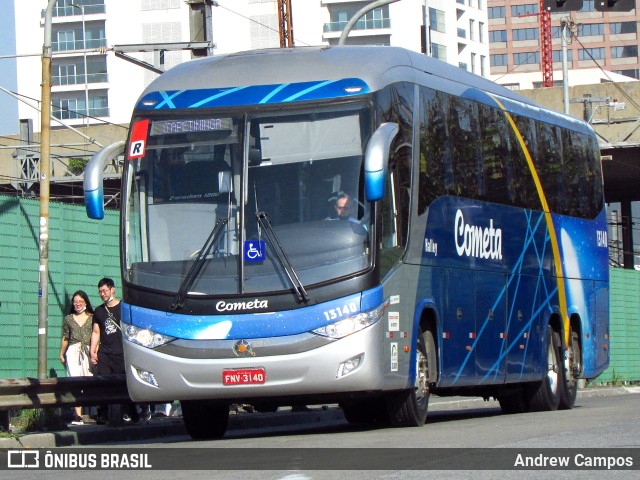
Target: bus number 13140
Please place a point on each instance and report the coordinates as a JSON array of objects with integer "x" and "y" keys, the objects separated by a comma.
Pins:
[{"x": 343, "y": 311}]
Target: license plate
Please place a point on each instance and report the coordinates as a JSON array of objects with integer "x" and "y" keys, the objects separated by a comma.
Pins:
[{"x": 244, "y": 376}]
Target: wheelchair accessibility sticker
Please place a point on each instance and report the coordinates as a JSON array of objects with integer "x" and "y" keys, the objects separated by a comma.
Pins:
[{"x": 254, "y": 251}]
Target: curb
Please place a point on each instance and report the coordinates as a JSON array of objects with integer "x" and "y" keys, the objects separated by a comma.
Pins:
[
  {"x": 91, "y": 434},
  {"x": 172, "y": 426}
]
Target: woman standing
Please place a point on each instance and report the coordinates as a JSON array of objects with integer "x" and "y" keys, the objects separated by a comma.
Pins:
[{"x": 76, "y": 339}]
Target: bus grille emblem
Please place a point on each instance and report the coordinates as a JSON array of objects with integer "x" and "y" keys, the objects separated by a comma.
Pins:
[{"x": 242, "y": 348}]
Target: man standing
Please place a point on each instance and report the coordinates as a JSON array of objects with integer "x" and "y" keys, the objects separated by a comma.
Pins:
[{"x": 106, "y": 344}]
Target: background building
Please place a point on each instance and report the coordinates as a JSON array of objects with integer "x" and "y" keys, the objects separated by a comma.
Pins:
[
  {"x": 604, "y": 45},
  {"x": 94, "y": 87},
  {"x": 97, "y": 86}
]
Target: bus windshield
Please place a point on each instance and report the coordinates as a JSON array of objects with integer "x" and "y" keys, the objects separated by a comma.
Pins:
[{"x": 286, "y": 192}]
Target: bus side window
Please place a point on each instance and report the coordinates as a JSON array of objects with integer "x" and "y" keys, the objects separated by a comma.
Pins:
[
  {"x": 396, "y": 105},
  {"x": 432, "y": 141},
  {"x": 549, "y": 166},
  {"x": 495, "y": 149}
]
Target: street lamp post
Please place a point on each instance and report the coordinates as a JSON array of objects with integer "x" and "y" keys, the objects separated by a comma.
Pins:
[{"x": 84, "y": 54}]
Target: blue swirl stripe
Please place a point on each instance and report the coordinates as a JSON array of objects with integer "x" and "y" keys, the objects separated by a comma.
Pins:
[{"x": 252, "y": 94}]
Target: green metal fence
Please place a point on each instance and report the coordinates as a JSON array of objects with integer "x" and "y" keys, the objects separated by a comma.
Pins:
[
  {"x": 624, "y": 330},
  {"x": 81, "y": 251}
]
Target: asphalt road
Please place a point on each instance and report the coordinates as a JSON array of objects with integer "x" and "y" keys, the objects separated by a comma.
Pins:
[{"x": 312, "y": 445}]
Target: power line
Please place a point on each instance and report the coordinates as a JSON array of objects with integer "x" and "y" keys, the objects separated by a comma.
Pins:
[
  {"x": 217, "y": 4},
  {"x": 79, "y": 114},
  {"x": 606, "y": 74}
]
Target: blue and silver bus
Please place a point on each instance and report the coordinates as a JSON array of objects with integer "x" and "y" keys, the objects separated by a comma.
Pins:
[{"x": 355, "y": 225}]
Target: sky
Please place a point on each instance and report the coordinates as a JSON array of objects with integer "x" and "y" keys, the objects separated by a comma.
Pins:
[{"x": 8, "y": 104}]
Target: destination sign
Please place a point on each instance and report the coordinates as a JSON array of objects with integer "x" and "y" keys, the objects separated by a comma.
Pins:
[{"x": 168, "y": 127}]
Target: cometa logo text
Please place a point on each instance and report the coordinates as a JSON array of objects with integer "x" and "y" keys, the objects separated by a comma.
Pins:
[
  {"x": 256, "y": 304},
  {"x": 477, "y": 241}
]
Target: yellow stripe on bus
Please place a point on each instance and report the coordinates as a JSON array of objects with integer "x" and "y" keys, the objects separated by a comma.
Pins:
[{"x": 547, "y": 214}]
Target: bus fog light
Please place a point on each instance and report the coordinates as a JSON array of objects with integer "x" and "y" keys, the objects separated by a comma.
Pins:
[
  {"x": 145, "y": 376},
  {"x": 349, "y": 366}
]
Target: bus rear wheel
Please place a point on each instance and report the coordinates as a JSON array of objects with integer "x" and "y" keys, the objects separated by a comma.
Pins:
[
  {"x": 572, "y": 372},
  {"x": 204, "y": 420},
  {"x": 408, "y": 408},
  {"x": 545, "y": 395}
]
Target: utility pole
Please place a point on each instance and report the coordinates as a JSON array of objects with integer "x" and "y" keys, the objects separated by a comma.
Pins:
[
  {"x": 285, "y": 23},
  {"x": 45, "y": 175},
  {"x": 566, "y": 26}
]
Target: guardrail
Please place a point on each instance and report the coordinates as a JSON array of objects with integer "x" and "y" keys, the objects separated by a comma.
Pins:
[{"x": 19, "y": 393}]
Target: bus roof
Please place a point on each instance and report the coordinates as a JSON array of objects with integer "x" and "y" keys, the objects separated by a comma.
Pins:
[{"x": 377, "y": 66}]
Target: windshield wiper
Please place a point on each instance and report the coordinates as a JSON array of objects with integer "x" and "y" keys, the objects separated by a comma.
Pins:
[
  {"x": 193, "y": 272},
  {"x": 298, "y": 287}
]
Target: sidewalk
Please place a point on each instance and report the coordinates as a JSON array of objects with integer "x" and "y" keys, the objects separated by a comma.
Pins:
[{"x": 91, "y": 433}]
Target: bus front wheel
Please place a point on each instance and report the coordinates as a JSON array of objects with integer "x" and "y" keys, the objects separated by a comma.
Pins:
[
  {"x": 204, "y": 420},
  {"x": 408, "y": 408}
]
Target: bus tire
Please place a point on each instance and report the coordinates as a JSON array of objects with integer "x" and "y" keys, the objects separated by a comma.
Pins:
[
  {"x": 408, "y": 408},
  {"x": 369, "y": 411},
  {"x": 571, "y": 373},
  {"x": 545, "y": 395},
  {"x": 204, "y": 420},
  {"x": 513, "y": 401}
]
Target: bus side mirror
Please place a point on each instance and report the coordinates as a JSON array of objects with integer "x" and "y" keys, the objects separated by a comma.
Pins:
[
  {"x": 376, "y": 159},
  {"x": 93, "y": 185}
]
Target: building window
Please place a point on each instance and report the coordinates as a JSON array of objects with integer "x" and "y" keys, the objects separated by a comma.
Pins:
[
  {"x": 340, "y": 16},
  {"x": 526, "y": 58},
  {"x": 71, "y": 72},
  {"x": 481, "y": 32},
  {"x": 437, "y": 20},
  {"x": 587, "y": 6},
  {"x": 590, "y": 29},
  {"x": 75, "y": 107},
  {"x": 526, "y": 9},
  {"x": 483, "y": 70},
  {"x": 71, "y": 39},
  {"x": 473, "y": 62},
  {"x": 525, "y": 34},
  {"x": 623, "y": 27},
  {"x": 69, "y": 8},
  {"x": 624, "y": 51},
  {"x": 497, "y": 36},
  {"x": 439, "y": 51},
  {"x": 159, "y": 4},
  {"x": 633, "y": 73},
  {"x": 472, "y": 35},
  {"x": 556, "y": 55},
  {"x": 498, "y": 60},
  {"x": 591, "y": 53},
  {"x": 497, "y": 12}
]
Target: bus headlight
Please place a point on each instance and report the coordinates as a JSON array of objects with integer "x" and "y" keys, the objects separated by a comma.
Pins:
[
  {"x": 144, "y": 336},
  {"x": 352, "y": 324}
]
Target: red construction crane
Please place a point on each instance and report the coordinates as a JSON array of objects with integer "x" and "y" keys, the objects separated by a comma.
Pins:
[
  {"x": 546, "y": 48},
  {"x": 285, "y": 23}
]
